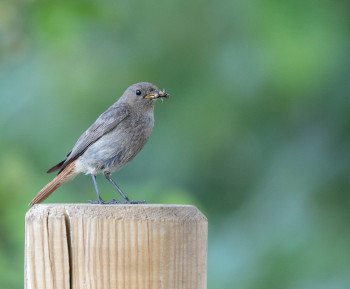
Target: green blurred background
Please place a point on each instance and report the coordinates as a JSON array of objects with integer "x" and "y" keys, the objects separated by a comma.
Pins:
[{"x": 256, "y": 133}]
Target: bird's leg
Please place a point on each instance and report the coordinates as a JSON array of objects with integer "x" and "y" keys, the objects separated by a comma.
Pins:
[
  {"x": 127, "y": 200},
  {"x": 118, "y": 189},
  {"x": 99, "y": 201}
]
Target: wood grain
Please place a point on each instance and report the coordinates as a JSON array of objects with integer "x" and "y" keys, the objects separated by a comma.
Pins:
[{"x": 115, "y": 246}]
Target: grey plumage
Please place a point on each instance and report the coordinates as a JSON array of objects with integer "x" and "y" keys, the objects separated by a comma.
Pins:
[
  {"x": 113, "y": 139},
  {"x": 106, "y": 122}
]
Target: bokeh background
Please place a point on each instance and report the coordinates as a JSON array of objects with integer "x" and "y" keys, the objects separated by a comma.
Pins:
[{"x": 256, "y": 133}]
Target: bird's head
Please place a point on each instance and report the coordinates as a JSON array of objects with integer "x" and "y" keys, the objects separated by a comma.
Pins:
[{"x": 143, "y": 94}]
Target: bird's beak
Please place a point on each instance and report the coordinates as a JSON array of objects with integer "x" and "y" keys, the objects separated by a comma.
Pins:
[{"x": 157, "y": 94}]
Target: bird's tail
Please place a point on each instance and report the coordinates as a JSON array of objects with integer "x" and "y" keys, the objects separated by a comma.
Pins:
[{"x": 66, "y": 175}]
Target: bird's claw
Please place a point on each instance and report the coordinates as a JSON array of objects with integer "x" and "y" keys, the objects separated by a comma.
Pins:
[
  {"x": 115, "y": 201},
  {"x": 135, "y": 202},
  {"x": 95, "y": 202}
]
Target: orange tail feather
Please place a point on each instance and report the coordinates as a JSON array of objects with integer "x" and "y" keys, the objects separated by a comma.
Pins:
[{"x": 66, "y": 175}]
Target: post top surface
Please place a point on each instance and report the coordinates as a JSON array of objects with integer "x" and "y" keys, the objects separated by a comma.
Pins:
[{"x": 118, "y": 211}]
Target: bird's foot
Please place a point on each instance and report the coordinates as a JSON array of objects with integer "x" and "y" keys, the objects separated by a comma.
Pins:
[
  {"x": 101, "y": 202},
  {"x": 134, "y": 202},
  {"x": 115, "y": 201}
]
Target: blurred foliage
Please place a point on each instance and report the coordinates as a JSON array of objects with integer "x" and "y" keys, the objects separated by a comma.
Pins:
[{"x": 256, "y": 133}]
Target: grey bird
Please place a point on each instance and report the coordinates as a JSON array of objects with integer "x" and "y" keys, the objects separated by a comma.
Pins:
[{"x": 110, "y": 142}]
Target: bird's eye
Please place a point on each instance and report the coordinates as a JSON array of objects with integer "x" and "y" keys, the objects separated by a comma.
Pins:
[{"x": 138, "y": 92}]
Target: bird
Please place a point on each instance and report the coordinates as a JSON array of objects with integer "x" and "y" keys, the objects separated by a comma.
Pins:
[{"x": 113, "y": 140}]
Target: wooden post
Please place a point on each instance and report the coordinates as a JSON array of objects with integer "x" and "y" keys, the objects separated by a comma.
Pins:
[{"x": 84, "y": 246}]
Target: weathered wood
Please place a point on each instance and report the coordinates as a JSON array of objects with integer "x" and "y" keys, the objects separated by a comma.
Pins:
[{"x": 115, "y": 246}]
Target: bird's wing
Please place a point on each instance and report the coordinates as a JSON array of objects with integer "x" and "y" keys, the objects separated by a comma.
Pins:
[{"x": 104, "y": 124}]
